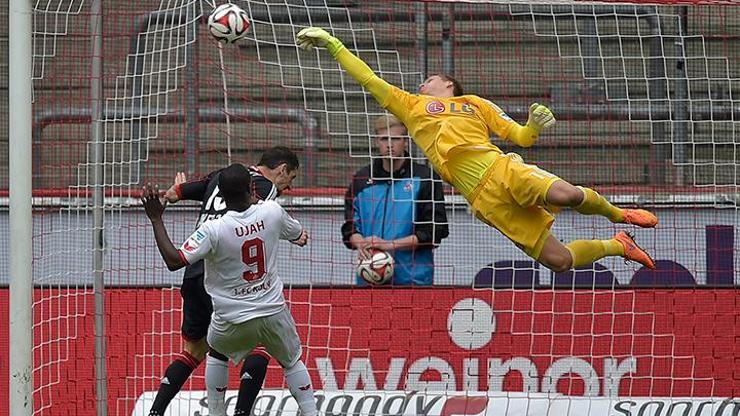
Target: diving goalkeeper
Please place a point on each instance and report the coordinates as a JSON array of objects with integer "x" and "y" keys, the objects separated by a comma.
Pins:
[{"x": 453, "y": 130}]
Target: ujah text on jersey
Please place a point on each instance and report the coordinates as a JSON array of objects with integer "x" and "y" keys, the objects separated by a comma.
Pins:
[{"x": 243, "y": 230}]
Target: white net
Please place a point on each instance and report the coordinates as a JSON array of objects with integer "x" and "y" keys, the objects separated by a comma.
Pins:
[
  {"x": 141, "y": 83},
  {"x": 651, "y": 61},
  {"x": 646, "y": 100},
  {"x": 50, "y": 20}
]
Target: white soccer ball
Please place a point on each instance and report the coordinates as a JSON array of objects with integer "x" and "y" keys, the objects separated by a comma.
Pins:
[
  {"x": 228, "y": 23},
  {"x": 377, "y": 269}
]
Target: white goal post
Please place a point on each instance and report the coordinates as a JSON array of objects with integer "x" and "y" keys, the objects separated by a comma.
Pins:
[{"x": 20, "y": 173}]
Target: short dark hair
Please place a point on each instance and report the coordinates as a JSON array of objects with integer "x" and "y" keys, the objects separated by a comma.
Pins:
[
  {"x": 235, "y": 183},
  {"x": 276, "y": 156},
  {"x": 457, "y": 89}
]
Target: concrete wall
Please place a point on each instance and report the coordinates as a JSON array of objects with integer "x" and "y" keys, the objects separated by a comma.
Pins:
[{"x": 62, "y": 249}]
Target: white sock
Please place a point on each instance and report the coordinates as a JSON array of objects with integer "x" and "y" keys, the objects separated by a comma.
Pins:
[
  {"x": 299, "y": 383},
  {"x": 217, "y": 379}
]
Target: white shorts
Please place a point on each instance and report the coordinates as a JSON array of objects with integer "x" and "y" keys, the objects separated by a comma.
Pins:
[{"x": 276, "y": 333}]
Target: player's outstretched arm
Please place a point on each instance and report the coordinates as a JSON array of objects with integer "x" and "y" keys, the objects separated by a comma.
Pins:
[
  {"x": 315, "y": 36},
  {"x": 540, "y": 118},
  {"x": 154, "y": 209},
  {"x": 171, "y": 195}
]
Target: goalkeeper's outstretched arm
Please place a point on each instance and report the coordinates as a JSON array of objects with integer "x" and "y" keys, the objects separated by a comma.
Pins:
[
  {"x": 540, "y": 118},
  {"x": 355, "y": 67}
]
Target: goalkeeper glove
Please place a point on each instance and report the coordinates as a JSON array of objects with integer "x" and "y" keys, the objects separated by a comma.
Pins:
[
  {"x": 540, "y": 117},
  {"x": 316, "y": 36}
]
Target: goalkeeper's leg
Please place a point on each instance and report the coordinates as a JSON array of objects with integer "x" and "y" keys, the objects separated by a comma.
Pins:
[
  {"x": 560, "y": 257},
  {"x": 589, "y": 202}
]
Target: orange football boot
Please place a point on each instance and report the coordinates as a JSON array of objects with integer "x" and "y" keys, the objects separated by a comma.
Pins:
[
  {"x": 633, "y": 252},
  {"x": 639, "y": 217}
]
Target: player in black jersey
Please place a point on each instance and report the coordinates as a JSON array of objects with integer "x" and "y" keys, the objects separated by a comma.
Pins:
[{"x": 274, "y": 173}]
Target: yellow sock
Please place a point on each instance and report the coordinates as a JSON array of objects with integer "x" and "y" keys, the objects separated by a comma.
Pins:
[
  {"x": 588, "y": 251},
  {"x": 593, "y": 203}
]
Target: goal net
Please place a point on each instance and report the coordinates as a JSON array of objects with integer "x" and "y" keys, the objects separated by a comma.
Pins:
[{"x": 647, "y": 108}]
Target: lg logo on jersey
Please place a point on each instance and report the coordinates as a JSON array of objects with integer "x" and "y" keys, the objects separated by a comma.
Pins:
[{"x": 435, "y": 107}]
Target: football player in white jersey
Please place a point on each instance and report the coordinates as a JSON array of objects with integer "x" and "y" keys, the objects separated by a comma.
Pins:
[
  {"x": 240, "y": 253},
  {"x": 273, "y": 174}
]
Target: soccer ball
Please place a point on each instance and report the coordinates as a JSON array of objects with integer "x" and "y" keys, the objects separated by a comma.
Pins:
[
  {"x": 377, "y": 269},
  {"x": 228, "y": 23}
]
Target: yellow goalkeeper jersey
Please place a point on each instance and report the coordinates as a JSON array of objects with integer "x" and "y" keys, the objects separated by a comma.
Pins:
[{"x": 454, "y": 133}]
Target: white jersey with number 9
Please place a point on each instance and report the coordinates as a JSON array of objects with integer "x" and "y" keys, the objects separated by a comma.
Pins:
[{"x": 240, "y": 252}]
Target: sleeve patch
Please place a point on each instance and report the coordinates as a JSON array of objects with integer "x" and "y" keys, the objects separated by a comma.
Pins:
[{"x": 498, "y": 110}]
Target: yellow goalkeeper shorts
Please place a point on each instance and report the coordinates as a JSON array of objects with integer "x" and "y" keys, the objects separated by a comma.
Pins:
[{"x": 510, "y": 198}]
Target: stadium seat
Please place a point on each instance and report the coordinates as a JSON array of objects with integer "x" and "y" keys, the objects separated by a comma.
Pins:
[
  {"x": 507, "y": 274},
  {"x": 666, "y": 274},
  {"x": 594, "y": 276}
]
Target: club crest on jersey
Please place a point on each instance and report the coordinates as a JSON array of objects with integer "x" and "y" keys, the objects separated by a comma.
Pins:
[
  {"x": 435, "y": 107},
  {"x": 408, "y": 187},
  {"x": 190, "y": 245}
]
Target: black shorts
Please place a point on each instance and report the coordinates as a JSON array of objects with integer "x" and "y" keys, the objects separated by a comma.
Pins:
[{"x": 196, "y": 309}]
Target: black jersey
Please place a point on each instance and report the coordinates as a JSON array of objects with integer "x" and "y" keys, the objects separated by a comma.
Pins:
[{"x": 212, "y": 204}]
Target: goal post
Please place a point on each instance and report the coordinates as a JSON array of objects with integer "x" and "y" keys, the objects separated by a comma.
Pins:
[
  {"x": 20, "y": 55},
  {"x": 97, "y": 139}
]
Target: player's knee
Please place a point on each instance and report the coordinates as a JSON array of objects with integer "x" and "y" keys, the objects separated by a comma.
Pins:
[
  {"x": 564, "y": 194},
  {"x": 574, "y": 196},
  {"x": 560, "y": 266},
  {"x": 558, "y": 262},
  {"x": 197, "y": 348}
]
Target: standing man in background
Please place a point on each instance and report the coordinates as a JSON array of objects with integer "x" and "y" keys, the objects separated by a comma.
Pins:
[{"x": 397, "y": 206}]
